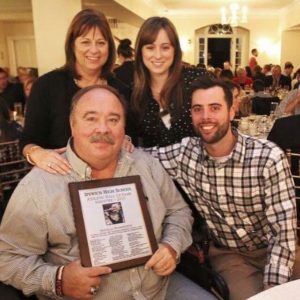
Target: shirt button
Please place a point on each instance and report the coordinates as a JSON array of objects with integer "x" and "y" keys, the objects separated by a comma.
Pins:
[{"x": 133, "y": 271}]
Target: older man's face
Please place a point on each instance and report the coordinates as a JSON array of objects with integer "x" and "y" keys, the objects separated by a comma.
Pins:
[{"x": 97, "y": 126}]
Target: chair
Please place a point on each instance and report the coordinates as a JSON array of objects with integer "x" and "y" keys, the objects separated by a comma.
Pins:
[
  {"x": 195, "y": 265},
  {"x": 262, "y": 106},
  {"x": 294, "y": 161},
  {"x": 13, "y": 167}
]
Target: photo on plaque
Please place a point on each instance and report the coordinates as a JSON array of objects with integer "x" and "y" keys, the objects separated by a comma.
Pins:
[
  {"x": 112, "y": 221},
  {"x": 113, "y": 213}
]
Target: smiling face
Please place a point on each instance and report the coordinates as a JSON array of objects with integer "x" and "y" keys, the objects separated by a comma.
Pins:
[
  {"x": 159, "y": 55},
  {"x": 91, "y": 51},
  {"x": 211, "y": 115},
  {"x": 97, "y": 125}
]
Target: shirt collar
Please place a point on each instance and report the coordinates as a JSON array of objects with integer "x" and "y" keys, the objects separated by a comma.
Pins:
[{"x": 82, "y": 171}]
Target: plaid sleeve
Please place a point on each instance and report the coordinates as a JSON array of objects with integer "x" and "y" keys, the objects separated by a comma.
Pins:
[
  {"x": 281, "y": 214},
  {"x": 168, "y": 157}
]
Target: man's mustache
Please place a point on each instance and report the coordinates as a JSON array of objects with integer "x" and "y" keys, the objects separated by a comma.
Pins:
[{"x": 102, "y": 138}]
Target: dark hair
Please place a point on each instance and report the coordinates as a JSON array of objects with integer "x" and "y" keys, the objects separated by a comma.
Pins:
[
  {"x": 87, "y": 89},
  {"x": 288, "y": 65},
  {"x": 172, "y": 90},
  {"x": 124, "y": 48},
  {"x": 258, "y": 85},
  {"x": 248, "y": 71},
  {"x": 268, "y": 67},
  {"x": 81, "y": 24},
  {"x": 226, "y": 74},
  {"x": 232, "y": 85},
  {"x": 207, "y": 83},
  {"x": 253, "y": 50}
]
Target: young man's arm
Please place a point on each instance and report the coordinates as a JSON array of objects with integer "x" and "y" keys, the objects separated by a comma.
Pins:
[{"x": 281, "y": 214}]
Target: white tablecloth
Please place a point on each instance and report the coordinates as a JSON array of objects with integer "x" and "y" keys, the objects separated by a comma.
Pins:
[{"x": 286, "y": 291}]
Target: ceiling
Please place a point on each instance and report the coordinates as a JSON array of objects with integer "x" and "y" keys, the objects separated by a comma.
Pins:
[
  {"x": 21, "y": 9},
  {"x": 180, "y": 5}
]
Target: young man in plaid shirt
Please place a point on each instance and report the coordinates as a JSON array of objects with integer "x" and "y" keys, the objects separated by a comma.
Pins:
[{"x": 243, "y": 188}]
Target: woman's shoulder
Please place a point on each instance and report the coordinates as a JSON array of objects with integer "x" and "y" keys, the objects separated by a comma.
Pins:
[
  {"x": 54, "y": 75},
  {"x": 191, "y": 73}
]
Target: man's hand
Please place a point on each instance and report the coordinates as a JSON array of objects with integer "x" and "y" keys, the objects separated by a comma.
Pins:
[
  {"x": 77, "y": 280},
  {"x": 163, "y": 261}
]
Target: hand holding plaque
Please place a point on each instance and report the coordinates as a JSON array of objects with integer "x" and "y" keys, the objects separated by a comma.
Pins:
[{"x": 112, "y": 222}]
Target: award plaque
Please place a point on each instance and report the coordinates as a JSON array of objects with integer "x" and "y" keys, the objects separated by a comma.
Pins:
[{"x": 112, "y": 222}]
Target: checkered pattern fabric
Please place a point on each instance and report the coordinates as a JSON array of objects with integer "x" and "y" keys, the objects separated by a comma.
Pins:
[{"x": 248, "y": 201}]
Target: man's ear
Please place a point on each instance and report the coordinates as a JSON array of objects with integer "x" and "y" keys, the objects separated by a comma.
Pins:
[{"x": 231, "y": 113}]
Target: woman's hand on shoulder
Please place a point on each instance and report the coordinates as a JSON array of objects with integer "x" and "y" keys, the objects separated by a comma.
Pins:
[{"x": 50, "y": 160}]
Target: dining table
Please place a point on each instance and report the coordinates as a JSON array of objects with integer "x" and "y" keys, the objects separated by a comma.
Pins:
[{"x": 289, "y": 291}]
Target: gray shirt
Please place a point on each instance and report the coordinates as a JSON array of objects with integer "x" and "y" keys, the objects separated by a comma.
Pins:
[{"x": 38, "y": 233}]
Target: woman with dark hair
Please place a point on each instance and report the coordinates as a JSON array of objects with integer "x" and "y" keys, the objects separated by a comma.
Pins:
[
  {"x": 160, "y": 98},
  {"x": 125, "y": 57},
  {"x": 90, "y": 55}
]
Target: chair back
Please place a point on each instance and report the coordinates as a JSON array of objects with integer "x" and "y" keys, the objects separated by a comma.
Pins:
[
  {"x": 294, "y": 161},
  {"x": 262, "y": 106},
  {"x": 13, "y": 166}
]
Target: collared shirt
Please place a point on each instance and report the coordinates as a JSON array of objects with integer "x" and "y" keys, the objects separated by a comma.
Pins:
[
  {"x": 38, "y": 233},
  {"x": 248, "y": 201}
]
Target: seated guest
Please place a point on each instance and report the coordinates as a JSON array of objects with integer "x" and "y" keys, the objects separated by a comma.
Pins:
[
  {"x": 9, "y": 130},
  {"x": 227, "y": 65},
  {"x": 258, "y": 74},
  {"x": 258, "y": 88},
  {"x": 296, "y": 79},
  {"x": 38, "y": 240},
  {"x": 241, "y": 78},
  {"x": 288, "y": 70},
  {"x": 242, "y": 186},
  {"x": 277, "y": 80},
  {"x": 290, "y": 105},
  {"x": 267, "y": 69},
  {"x": 226, "y": 75},
  {"x": 261, "y": 101},
  {"x": 10, "y": 92}
]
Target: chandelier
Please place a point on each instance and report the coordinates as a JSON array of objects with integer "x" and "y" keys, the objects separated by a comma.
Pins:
[{"x": 234, "y": 14}]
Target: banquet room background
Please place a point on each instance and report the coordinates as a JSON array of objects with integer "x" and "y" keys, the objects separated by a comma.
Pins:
[{"x": 32, "y": 31}]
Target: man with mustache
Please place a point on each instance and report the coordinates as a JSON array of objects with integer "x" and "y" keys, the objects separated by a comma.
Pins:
[
  {"x": 38, "y": 240},
  {"x": 243, "y": 188}
]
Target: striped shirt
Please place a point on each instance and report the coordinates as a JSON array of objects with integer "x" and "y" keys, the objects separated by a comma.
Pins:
[
  {"x": 38, "y": 234},
  {"x": 248, "y": 200}
]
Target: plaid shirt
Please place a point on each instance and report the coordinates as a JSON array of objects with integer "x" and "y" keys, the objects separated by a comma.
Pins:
[{"x": 248, "y": 201}]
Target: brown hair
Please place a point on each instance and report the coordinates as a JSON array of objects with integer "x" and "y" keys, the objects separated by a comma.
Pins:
[
  {"x": 172, "y": 90},
  {"x": 84, "y": 21}
]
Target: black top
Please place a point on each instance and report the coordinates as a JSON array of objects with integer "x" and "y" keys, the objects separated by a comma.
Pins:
[
  {"x": 285, "y": 133},
  {"x": 48, "y": 108},
  {"x": 13, "y": 94},
  {"x": 151, "y": 129},
  {"x": 125, "y": 73},
  {"x": 283, "y": 81}
]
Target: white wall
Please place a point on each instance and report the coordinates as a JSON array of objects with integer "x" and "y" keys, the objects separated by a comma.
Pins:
[
  {"x": 12, "y": 29},
  {"x": 51, "y": 21},
  {"x": 290, "y": 48}
]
